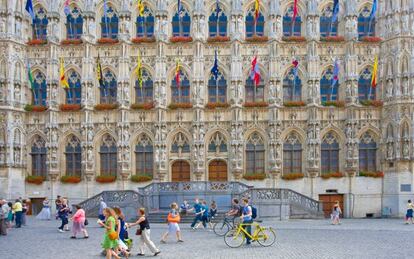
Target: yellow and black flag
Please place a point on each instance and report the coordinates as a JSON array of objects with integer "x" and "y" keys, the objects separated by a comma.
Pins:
[{"x": 99, "y": 74}]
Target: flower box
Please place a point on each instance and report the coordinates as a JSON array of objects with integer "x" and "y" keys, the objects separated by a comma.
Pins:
[
  {"x": 332, "y": 175},
  {"x": 141, "y": 178},
  {"x": 334, "y": 103},
  {"x": 371, "y": 39},
  {"x": 292, "y": 176},
  {"x": 36, "y": 42},
  {"x": 294, "y": 38},
  {"x": 69, "y": 107},
  {"x": 176, "y": 39},
  {"x": 372, "y": 174},
  {"x": 254, "y": 176},
  {"x": 218, "y": 39},
  {"x": 294, "y": 104},
  {"x": 217, "y": 105},
  {"x": 142, "y": 106},
  {"x": 105, "y": 179},
  {"x": 70, "y": 179},
  {"x": 106, "y": 106},
  {"x": 375, "y": 103},
  {"x": 257, "y": 38},
  {"x": 174, "y": 106},
  {"x": 143, "y": 39},
  {"x": 333, "y": 39},
  {"x": 35, "y": 108},
  {"x": 33, "y": 179},
  {"x": 71, "y": 42},
  {"x": 255, "y": 104},
  {"x": 107, "y": 41}
]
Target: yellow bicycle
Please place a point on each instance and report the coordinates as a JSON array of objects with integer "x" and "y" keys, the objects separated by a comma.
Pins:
[{"x": 265, "y": 236}]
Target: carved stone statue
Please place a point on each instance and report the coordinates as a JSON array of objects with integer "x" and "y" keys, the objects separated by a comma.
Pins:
[
  {"x": 199, "y": 6},
  {"x": 312, "y": 7},
  {"x": 236, "y": 6},
  {"x": 350, "y": 7},
  {"x": 274, "y": 6},
  {"x": 89, "y": 5}
]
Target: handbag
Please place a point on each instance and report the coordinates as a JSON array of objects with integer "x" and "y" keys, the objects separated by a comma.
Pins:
[
  {"x": 86, "y": 222},
  {"x": 113, "y": 235},
  {"x": 139, "y": 232}
]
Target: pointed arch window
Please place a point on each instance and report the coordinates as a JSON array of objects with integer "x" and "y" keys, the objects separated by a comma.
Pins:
[
  {"x": 365, "y": 90},
  {"x": 39, "y": 24},
  {"x": 253, "y": 27},
  {"x": 144, "y": 156},
  {"x": 73, "y": 154},
  {"x": 367, "y": 154},
  {"x": 217, "y": 22},
  {"x": 180, "y": 144},
  {"x": 74, "y": 24},
  {"x": 39, "y": 89},
  {"x": 74, "y": 92},
  {"x": 290, "y": 28},
  {"x": 181, "y": 23},
  {"x": 254, "y": 93},
  {"x": 292, "y": 155},
  {"x": 108, "y": 91},
  {"x": 327, "y": 27},
  {"x": 144, "y": 93},
  {"x": 181, "y": 92},
  {"x": 366, "y": 26},
  {"x": 217, "y": 143},
  {"x": 145, "y": 24},
  {"x": 38, "y": 155},
  {"x": 405, "y": 140},
  {"x": 217, "y": 89},
  {"x": 329, "y": 88},
  {"x": 109, "y": 156},
  {"x": 330, "y": 154},
  {"x": 292, "y": 87},
  {"x": 255, "y": 154},
  {"x": 109, "y": 24}
]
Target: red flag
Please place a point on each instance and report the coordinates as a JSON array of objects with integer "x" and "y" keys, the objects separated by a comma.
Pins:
[
  {"x": 295, "y": 10},
  {"x": 256, "y": 10},
  {"x": 177, "y": 74},
  {"x": 255, "y": 73}
]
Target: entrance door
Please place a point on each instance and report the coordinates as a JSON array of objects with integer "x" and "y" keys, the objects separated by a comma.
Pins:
[
  {"x": 180, "y": 171},
  {"x": 217, "y": 171},
  {"x": 329, "y": 201}
]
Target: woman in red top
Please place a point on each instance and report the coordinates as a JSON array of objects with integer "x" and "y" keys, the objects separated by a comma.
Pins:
[{"x": 78, "y": 220}]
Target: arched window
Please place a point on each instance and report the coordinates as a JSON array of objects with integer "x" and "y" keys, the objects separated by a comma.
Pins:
[
  {"x": 254, "y": 93},
  {"x": 292, "y": 155},
  {"x": 109, "y": 89},
  {"x": 109, "y": 24},
  {"x": 74, "y": 24},
  {"x": 109, "y": 156},
  {"x": 292, "y": 87},
  {"x": 217, "y": 89},
  {"x": 144, "y": 156},
  {"x": 327, "y": 27},
  {"x": 329, "y": 88},
  {"x": 365, "y": 90},
  {"x": 366, "y": 26},
  {"x": 290, "y": 28},
  {"x": 74, "y": 92},
  {"x": 39, "y": 25},
  {"x": 39, "y": 89},
  {"x": 145, "y": 24},
  {"x": 73, "y": 154},
  {"x": 253, "y": 27},
  {"x": 255, "y": 154},
  {"x": 329, "y": 154},
  {"x": 367, "y": 154},
  {"x": 144, "y": 93},
  {"x": 38, "y": 154},
  {"x": 180, "y": 93},
  {"x": 217, "y": 143},
  {"x": 180, "y": 144},
  {"x": 181, "y": 23},
  {"x": 217, "y": 22}
]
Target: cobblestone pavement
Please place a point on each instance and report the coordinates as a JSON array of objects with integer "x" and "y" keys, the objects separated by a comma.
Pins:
[{"x": 355, "y": 238}]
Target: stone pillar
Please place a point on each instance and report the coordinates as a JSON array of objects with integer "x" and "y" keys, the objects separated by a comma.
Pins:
[
  {"x": 313, "y": 143},
  {"x": 313, "y": 94},
  {"x": 124, "y": 151}
]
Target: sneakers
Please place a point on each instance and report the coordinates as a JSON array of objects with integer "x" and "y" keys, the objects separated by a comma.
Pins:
[
  {"x": 156, "y": 253},
  {"x": 180, "y": 241},
  {"x": 73, "y": 237},
  {"x": 60, "y": 230},
  {"x": 140, "y": 254},
  {"x": 163, "y": 241}
]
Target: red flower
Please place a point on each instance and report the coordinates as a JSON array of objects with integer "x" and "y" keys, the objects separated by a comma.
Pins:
[
  {"x": 256, "y": 38},
  {"x": 294, "y": 38},
  {"x": 143, "y": 39},
  {"x": 218, "y": 39},
  {"x": 255, "y": 104},
  {"x": 333, "y": 38},
  {"x": 36, "y": 42},
  {"x": 175, "y": 39},
  {"x": 71, "y": 41},
  {"x": 107, "y": 41},
  {"x": 106, "y": 106},
  {"x": 69, "y": 107}
]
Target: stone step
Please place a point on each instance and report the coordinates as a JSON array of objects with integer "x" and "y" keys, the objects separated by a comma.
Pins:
[{"x": 161, "y": 217}]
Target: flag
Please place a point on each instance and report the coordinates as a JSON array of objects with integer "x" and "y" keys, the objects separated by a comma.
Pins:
[
  {"x": 295, "y": 64},
  {"x": 255, "y": 72},
  {"x": 66, "y": 8},
  {"x": 335, "y": 77},
  {"x": 140, "y": 8},
  {"x": 256, "y": 10},
  {"x": 217, "y": 9},
  {"x": 295, "y": 10},
  {"x": 214, "y": 69},
  {"x": 373, "y": 10},
  {"x": 62, "y": 77},
  {"x": 374, "y": 73},
  {"x": 177, "y": 73},
  {"x": 105, "y": 8},
  {"x": 179, "y": 7},
  {"x": 99, "y": 74},
  {"x": 139, "y": 70},
  {"x": 29, "y": 9},
  {"x": 30, "y": 76},
  {"x": 335, "y": 11}
]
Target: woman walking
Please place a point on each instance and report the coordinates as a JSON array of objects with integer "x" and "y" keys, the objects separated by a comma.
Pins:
[
  {"x": 122, "y": 233},
  {"x": 409, "y": 213},
  {"x": 10, "y": 215},
  {"x": 63, "y": 213},
  {"x": 110, "y": 240},
  {"x": 336, "y": 212},
  {"x": 173, "y": 219},
  {"x": 144, "y": 232},
  {"x": 45, "y": 212},
  {"x": 78, "y": 222}
]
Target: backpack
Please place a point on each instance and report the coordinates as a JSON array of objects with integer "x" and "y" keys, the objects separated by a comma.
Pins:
[{"x": 254, "y": 212}]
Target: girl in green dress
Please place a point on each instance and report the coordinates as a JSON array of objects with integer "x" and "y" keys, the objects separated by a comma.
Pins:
[{"x": 108, "y": 244}]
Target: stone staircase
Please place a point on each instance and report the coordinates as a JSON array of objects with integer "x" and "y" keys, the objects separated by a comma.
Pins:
[{"x": 161, "y": 217}]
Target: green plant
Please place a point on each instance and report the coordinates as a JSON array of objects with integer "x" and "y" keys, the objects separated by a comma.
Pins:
[
  {"x": 216, "y": 105},
  {"x": 70, "y": 179},
  {"x": 292, "y": 176},
  {"x": 332, "y": 175},
  {"x": 334, "y": 103},
  {"x": 254, "y": 176},
  {"x": 294, "y": 104},
  {"x": 372, "y": 174},
  {"x": 35, "y": 108},
  {"x": 105, "y": 178},
  {"x": 141, "y": 178},
  {"x": 255, "y": 104},
  {"x": 34, "y": 179},
  {"x": 174, "y": 106}
]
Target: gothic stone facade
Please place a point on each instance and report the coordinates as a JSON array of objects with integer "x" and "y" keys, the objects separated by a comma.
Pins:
[{"x": 180, "y": 134}]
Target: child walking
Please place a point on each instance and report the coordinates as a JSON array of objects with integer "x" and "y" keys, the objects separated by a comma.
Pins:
[
  {"x": 173, "y": 227},
  {"x": 409, "y": 213},
  {"x": 336, "y": 211}
]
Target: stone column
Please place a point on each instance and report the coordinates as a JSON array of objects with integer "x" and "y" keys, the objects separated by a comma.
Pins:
[
  {"x": 313, "y": 143},
  {"x": 313, "y": 94}
]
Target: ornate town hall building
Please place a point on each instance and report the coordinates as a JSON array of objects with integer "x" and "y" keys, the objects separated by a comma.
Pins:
[{"x": 319, "y": 128}]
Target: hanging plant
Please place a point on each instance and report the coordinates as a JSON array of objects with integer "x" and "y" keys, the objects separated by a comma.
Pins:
[
  {"x": 254, "y": 176},
  {"x": 294, "y": 38},
  {"x": 36, "y": 42},
  {"x": 105, "y": 179},
  {"x": 255, "y": 104},
  {"x": 372, "y": 174},
  {"x": 176, "y": 39},
  {"x": 174, "y": 106},
  {"x": 141, "y": 178},
  {"x": 211, "y": 105},
  {"x": 107, "y": 41},
  {"x": 334, "y": 103},
  {"x": 332, "y": 175},
  {"x": 66, "y": 107},
  {"x": 143, "y": 39},
  {"x": 371, "y": 39},
  {"x": 35, "y": 108},
  {"x": 106, "y": 106},
  {"x": 257, "y": 38},
  {"x": 71, "y": 42},
  {"x": 292, "y": 176},
  {"x": 218, "y": 39},
  {"x": 294, "y": 104},
  {"x": 375, "y": 103},
  {"x": 142, "y": 106},
  {"x": 333, "y": 39},
  {"x": 70, "y": 179},
  {"x": 34, "y": 179}
]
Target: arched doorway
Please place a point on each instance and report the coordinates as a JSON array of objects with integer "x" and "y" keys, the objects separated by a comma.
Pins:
[
  {"x": 180, "y": 171},
  {"x": 217, "y": 171}
]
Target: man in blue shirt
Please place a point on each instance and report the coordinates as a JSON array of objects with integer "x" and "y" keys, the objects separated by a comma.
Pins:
[
  {"x": 246, "y": 218},
  {"x": 199, "y": 211}
]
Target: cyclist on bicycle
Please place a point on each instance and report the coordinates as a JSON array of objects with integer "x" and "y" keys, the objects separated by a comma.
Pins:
[
  {"x": 235, "y": 210},
  {"x": 247, "y": 218}
]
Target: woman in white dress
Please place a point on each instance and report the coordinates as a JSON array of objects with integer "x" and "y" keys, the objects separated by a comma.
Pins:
[{"x": 45, "y": 212}]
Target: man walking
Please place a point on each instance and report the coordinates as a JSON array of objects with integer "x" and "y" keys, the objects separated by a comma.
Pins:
[
  {"x": 199, "y": 211},
  {"x": 18, "y": 212},
  {"x": 102, "y": 206},
  {"x": 247, "y": 218}
]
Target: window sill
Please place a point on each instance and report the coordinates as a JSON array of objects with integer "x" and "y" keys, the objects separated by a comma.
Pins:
[
  {"x": 176, "y": 39},
  {"x": 254, "y": 176},
  {"x": 70, "y": 179},
  {"x": 218, "y": 39},
  {"x": 372, "y": 174},
  {"x": 141, "y": 178},
  {"x": 105, "y": 179},
  {"x": 294, "y": 104},
  {"x": 71, "y": 42},
  {"x": 69, "y": 107},
  {"x": 35, "y": 108},
  {"x": 294, "y": 38},
  {"x": 107, "y": 41},
  {"x": 256, "y": 38},
  {"x": 338, "y": 104},
  {"x": 35, "y": 179},
  {"x": 332, "y": 39},
  {"x": 293, "y": 176},
  {"x": 174, "y": 106},
  {"x": 217, "y": 105},
  {"x": 36, "y": 42},
  {"x": 332, "y": 175},
  {"x": 142, "y": 106},
  {"x": 370, "y": 39},
  {"x": 374, "y": 103},
  {"x": 255, "y": 104},
  {"x": 106, "y": 106},
  {"x": 143, "y": 40}
]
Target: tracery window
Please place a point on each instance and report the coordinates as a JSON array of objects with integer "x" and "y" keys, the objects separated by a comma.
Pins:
[
  {"x": 73, "y": 153},
  {"x": 365, "y": 90},
  {"x": 109, "y": 24},
  {"x": 366, "y": 25},
  {"x": 39, "y": 89},
  {"x": 327, "y": 27},
  {"x": 292, "y": 87},
  {"x": 254, "y": 28},
  {"x": 181, "y": 92},
  {"x": 330, "y": 154},
  {"x": 292, "y": 154},
  {"x": 367, "y": 153},
  {"x": 217, "y": 22},
  {"x": 144, "y": 93},
  {"x": 38, "y": 155},
  {"x": 290, "y": 28},
  {"x": 109, "y": 156},
  {"x": 329, "y": 88},
  {"x": 254, "y": 93},
  {"x": 144, "y": 156},
  {"x": 145, "y": 24},
  {"x": 39, "y": 24},
  {"x": 180, "y": 144},
  {"x": 109, "y": 89},
  {"x": 217, "y": 89},
  {"x": 74, "y": 23},
  {"x": 181, "y": 23},
  {"x": 74, "y": 92},
  {"x": 217, "y": 143},
  {"x": 255, "y": 154}
]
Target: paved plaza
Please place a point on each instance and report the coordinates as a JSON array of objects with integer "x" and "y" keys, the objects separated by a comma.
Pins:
[{"x": 355, "y": 238}]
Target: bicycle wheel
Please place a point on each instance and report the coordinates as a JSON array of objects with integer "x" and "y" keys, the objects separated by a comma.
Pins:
[
  {"x": 234, "y": 238},
  {"x": 266, "y": 236},
  {"x": 221, "y": 228}
]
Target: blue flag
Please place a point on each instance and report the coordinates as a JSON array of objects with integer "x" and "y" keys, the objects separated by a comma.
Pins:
[
  {"x": 29, "y": 9},
  {"x": 335, "y": 77},
  {"x": 373, "y": 10},
  {"x": 214, "y": 69},
  {"x": 335, "y": 11},
  {"x": 217, "y": 9},
  {"x": 179, "y": 7},
  {"x": 105, "y": 7}
]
